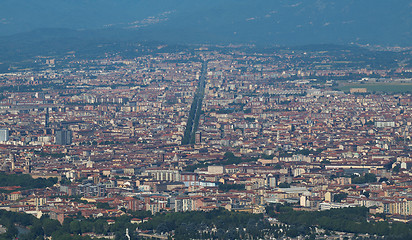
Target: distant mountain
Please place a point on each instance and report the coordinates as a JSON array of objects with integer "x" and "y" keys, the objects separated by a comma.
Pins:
[{"x": 266, "y": 22}]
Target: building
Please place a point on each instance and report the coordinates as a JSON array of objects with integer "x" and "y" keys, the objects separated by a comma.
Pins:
[
  {"x": 215, "y": 169},
  {"x": 183, "y": 204},
  {"x": 63, "y": 137},
  {"x": 358, "y": 90},
  {"x": 164, "y": 174},
  {"x": 198, "y": 137},
  {"x": 383, "y": 124},
  {"x": 401, "y": 206},
  {"x": 4, "y": 135},
  {"x": 46, "y": 118}
]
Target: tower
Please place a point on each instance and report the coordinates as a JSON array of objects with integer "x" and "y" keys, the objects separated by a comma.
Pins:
[
  {"x": 46, "y": 118},
  {"x": 27, "y": 167},
  {"x": 63, "y": 137},
  {"x": 4, "y": 135},
  {"x": 12, "y": 159}
]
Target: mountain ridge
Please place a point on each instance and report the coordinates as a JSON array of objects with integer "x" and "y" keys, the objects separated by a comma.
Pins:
[{"x": 264, "y": 22}]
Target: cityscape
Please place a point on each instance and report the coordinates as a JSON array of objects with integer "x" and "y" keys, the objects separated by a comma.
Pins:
[
  {"x": 215, "y": 120},
  {"x": 204, "y": 130}
]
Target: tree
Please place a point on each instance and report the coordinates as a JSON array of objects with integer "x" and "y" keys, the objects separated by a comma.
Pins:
[
  {"x": 339, "y": 197},
  {"x": 102, "y": 205},
  {"x": 284, "y": 185},
  {"x": 86, "y": 226},
  {"x": 37, "y": 229},
  {"x": 75, "y": 227},
  {"x": 50, "y": 226},
  {"x": 100, "y": 226},
  {"x": 65, "y": 181},
  {"x": 162, "y": 228},
  {"x": 367, "y": 178}
]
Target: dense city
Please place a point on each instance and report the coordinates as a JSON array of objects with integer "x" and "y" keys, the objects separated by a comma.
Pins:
[{"x": 132, "y": 142}]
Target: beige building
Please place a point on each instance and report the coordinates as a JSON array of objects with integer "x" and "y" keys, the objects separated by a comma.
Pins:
[
  {"x": 215, "y": 169},
  {"x": 401, "y": 206}
]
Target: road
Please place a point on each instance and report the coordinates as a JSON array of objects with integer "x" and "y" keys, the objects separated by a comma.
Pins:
[{"x": 196, "y": 109}]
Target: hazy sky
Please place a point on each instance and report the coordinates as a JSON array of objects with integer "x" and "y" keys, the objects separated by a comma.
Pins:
[{"x": 278, "y": 21}]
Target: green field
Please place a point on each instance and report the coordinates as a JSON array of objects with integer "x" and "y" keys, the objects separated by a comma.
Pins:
[{"x": 381, "y": 87}]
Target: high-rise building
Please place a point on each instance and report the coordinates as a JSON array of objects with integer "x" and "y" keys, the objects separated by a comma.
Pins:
[
  {"x": 4, "y": 135},
  {"x": 198, "y": 137},
  {"x": 46, "y": 118},
  {"x": 63, "y": 137}
]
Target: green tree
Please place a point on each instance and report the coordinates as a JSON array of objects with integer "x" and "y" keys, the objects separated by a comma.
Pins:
[
  {"x": 50, "y": 226},
  {"x": 339, "y": 197},
  {"x": 284, "y": 185},
  {"x": 366, "y": 178},
  {"x": 75, "y": 227},
  {"x": 103, "y": 205}
]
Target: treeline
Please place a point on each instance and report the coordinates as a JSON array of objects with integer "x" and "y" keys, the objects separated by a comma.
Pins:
[
  {"x": 352, "y": 220},
  {"x": 216, "y": 224},
  {"x": 9, "y": 219},
  {"x": 222, "y": 224},
  {"x": 366, "y": 178},
  {"x": 31, "y": 88},
  {"x": 37, "y": 228},
  {"x": 69, "y": 230},
  {"x": 25, "y": 181},
  {"x": 228, "y": 159}
]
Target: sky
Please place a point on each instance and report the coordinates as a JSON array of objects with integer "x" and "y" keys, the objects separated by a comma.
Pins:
[{"x": 273, "y": 22}]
